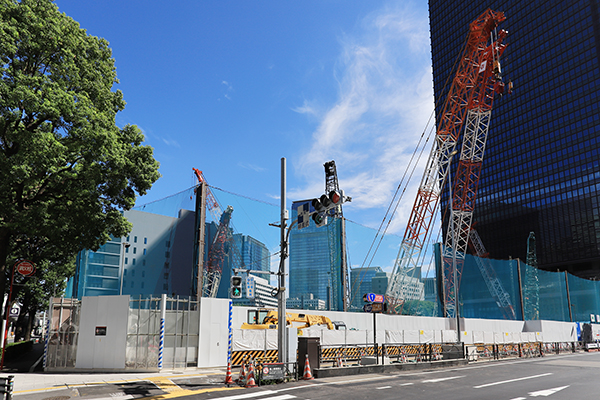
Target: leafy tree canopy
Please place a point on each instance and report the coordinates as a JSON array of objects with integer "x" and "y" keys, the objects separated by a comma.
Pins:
[{"x": 66, "y": 168}]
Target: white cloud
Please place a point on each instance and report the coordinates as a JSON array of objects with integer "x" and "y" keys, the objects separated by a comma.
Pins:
[
  {"x": 385, "y": 99},
  {"x": 252, "y": 167},
  {"x": 170, "y": 142}
]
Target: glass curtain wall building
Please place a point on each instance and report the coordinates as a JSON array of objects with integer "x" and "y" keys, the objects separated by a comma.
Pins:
[
  {"x": 541, "y": 171},
  {"x": 310, "y": 263},
  {"x": 360, "y": 284}
]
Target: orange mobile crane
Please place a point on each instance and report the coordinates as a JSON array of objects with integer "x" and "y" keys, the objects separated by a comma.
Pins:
[{"x": 469, "y": 102}]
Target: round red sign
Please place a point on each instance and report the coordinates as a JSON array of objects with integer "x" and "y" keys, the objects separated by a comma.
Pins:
[{"x": 25, "y": 267}]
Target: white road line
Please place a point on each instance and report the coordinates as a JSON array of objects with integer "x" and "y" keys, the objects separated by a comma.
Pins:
[
  {"x": 282, "y": 397},
  {"x": 384, "y": 387},
  {"x": 441, "y": 379},
  {"x": 251, "y": 394},
  {"x": 406, "y": 384},
  {"x": 511, "y": 380},
  {"x": 519, "y": 398}
]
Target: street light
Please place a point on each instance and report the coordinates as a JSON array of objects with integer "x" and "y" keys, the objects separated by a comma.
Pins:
[{"x": 125, "y": 245}]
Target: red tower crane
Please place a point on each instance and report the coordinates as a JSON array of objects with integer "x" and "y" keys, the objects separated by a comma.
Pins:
[
  {"x": 212, "y": 271},
  {"x": 469, "y": 100}
]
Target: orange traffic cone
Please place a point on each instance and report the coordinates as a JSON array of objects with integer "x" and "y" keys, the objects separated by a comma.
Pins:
[
  {"x": 307, "y": 373},
  {"x": 242, "y": 377},
  {"x": 228, "y": 377},
  {"x": 250, "y": 381}
]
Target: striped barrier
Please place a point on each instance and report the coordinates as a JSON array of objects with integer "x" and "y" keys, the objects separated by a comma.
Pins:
[
  {"x": 260, "y": 356},
  {"x": 161, "y": 343}
]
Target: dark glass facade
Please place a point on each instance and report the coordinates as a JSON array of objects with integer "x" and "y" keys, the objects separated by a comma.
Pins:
[{"x": 541, "y": 170}]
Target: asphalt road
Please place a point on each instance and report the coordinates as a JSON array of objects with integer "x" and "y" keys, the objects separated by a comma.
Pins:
[{"x": 575, "y": 376}]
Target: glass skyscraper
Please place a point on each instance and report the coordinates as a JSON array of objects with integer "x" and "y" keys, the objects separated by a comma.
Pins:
[
  {"x": 360, "y": 284},
  {"x": 541, "y": 171},
  {"x": 312, "y": 252}
]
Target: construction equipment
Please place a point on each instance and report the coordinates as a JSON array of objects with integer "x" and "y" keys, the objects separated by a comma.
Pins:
[
  {"x": 531, "y": 292},
  {"x": 499, "y": 294},
  {"x": 271, "y": 320},
  {"x": 216, "y": 256},
  {"x": 212, "y": 271},
  {"x": 339, "y": 267},
  {"x": 470, "y": 98}
]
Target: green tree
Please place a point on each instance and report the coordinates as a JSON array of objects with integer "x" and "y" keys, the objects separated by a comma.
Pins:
[{"x": 66, "y": 168}]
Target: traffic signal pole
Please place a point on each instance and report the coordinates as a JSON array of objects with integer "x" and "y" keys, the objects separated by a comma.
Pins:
[{"x": 282, "y": 343}]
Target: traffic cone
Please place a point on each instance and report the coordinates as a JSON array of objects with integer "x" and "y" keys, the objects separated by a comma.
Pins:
[
  {"x": 307, "y": 373},
  {"x": 228, "y": 377},
  {"x": 250, "y": 381},
  {"x": 242, "y": 377}
]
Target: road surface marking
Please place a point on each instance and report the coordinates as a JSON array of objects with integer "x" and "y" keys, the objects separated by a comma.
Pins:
[
  {"x": 519, "y": 398},
  {"x": 547, "y": 392},
  {"x": 250, "y": 394},
  {"x": 441, "y": 379},
  {"x": 406, "y": 384},
  {"x": 384, "y": 387},
  {"x": 511, "y": 380}
]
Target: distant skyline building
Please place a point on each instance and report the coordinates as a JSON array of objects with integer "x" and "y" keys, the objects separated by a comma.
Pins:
[
  {"x": 306, "y": 302},
  {"x": 261, "y": 295},
  {"x": 254, "y": 255},
  {"x": 361, "y": 283},
  {"x": 311, "y": 252},
  {"x": 541, "y": 170}
]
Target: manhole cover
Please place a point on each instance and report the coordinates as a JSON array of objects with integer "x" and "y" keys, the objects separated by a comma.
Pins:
[{"x": 57, "y": 398}]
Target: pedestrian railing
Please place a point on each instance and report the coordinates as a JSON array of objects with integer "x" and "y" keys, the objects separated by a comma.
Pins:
[{"x": 6, "y": 386}]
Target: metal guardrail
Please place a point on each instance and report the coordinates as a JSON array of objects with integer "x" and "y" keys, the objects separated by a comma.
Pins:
[{"x": 6, "y": 386}]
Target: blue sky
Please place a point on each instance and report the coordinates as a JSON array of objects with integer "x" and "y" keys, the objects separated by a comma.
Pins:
[{"x": 230, "y": 87}]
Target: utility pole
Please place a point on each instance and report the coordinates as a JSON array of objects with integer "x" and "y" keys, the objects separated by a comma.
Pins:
[{"x": 282, "y": 344}]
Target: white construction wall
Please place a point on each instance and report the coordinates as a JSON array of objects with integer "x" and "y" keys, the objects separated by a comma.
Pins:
[
  {"x": 214, "y": 332},
  {"x": 102, "y": 314}
]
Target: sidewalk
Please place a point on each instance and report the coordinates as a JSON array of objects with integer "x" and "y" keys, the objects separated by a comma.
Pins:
[{"x": 124, "y": 385}]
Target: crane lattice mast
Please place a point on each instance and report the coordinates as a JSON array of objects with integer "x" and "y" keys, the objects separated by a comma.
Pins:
[
  {"x": 531, "y": 292},
  {"x": 468, "y": 92},
  {"x": 339, "y": 267},
  {"x": 499, "y": 294}
]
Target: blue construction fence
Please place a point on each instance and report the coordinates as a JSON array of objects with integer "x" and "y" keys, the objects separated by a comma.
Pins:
[{"x": 533, "y": 293}]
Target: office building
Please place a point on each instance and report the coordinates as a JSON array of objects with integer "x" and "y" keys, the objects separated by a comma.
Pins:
[
  {"x": 306, "y": 302},
  {"x": 256, "y": 292},
  {"x": 155, "y": 258},
  {"x": 253, "y": 255},
  {"x": 315, "y": 260},
  {"x": 158, "y": 257},
  {"x": 541, "y": 171},
  {"x": 361, "y": 284}
]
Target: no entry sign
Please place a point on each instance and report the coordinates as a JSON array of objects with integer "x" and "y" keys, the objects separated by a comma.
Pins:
[{"x": 25, "y": 267}]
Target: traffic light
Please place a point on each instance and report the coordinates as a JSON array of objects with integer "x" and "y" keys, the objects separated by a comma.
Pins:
[
  {"x": 324, "y": 204},
  {"x": 236, "y": 287},
  {"x": 320, "y": 219}
]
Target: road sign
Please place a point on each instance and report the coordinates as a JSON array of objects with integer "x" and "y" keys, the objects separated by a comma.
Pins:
[
  {"x": 15, "y": 309},
  {"x": 25, "y": 267},
  {"x": 373, "y": 308},
  {"x": 377, "y": 307},
  {"x": 374, "y": 298}
]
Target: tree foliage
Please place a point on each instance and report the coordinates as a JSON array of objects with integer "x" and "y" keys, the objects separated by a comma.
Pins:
[{"x": 66, "y": 169}]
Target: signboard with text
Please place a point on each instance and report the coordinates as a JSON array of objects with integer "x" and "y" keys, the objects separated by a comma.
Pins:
[
  {"x": 25, "y": 267},
  {"x": 374, "y": 298}
]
